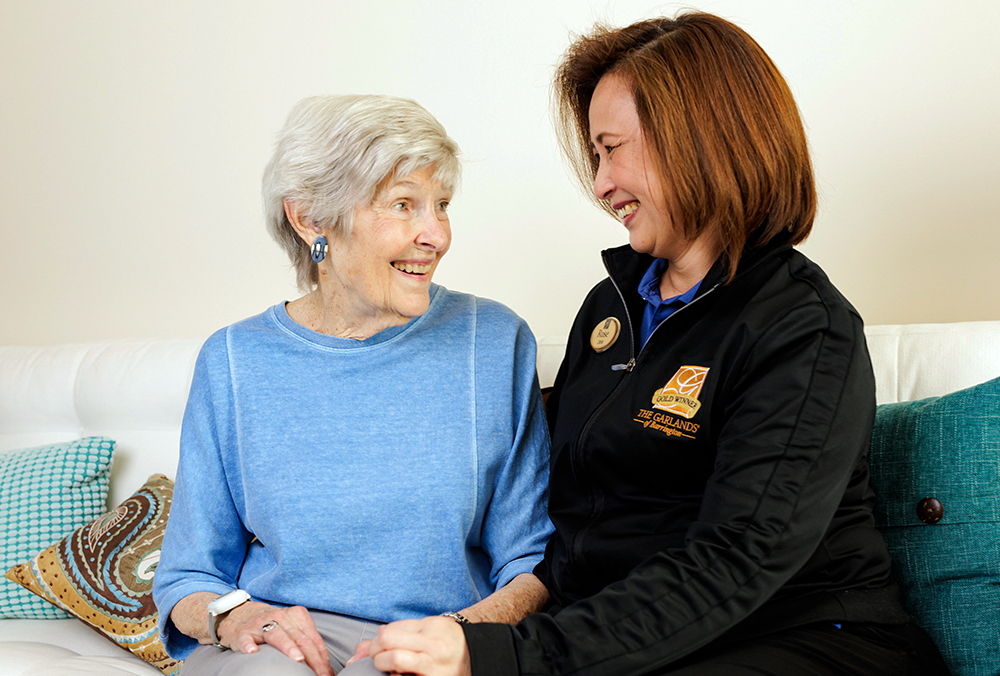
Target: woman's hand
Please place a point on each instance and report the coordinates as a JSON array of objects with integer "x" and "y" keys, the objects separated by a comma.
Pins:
[
  {"x": 433, "y": 646},
  {"x": 292, "y": 632},
  {"x": 523, "y": 595},
  {"x": 242, "y": 629}
]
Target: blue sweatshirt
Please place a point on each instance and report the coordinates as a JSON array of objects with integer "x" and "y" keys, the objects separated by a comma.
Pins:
[{"x": 395, "y": 477}]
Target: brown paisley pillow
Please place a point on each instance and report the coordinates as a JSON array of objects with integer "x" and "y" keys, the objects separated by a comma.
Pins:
[{"x": 103, "y": 572}]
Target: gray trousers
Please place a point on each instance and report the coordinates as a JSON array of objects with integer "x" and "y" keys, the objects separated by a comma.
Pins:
[{"x": 339, "y": 632}]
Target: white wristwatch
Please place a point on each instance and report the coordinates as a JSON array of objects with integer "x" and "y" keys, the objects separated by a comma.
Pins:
[{"x": 219, "y": 607}]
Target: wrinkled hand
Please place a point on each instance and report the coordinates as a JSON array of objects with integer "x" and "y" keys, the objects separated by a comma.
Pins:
[
  {"x": 433, "y": 646},
  {"x": 295, "y": 635}
]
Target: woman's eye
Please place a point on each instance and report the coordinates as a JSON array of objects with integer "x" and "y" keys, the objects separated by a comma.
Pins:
[
  {"x": 610, "y": 149},
  {"x": 443, "y": 206},
  {"x": 399, "y": 206}
]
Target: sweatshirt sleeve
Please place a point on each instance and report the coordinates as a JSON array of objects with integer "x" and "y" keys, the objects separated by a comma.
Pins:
[
  {"x": 797, "y": 416},
  {"x": 205, "y": 542},
  {"x": 510, "y": 417}
]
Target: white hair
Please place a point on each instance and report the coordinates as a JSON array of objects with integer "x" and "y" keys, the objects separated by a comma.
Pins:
[{"x": 333, "y": 155}]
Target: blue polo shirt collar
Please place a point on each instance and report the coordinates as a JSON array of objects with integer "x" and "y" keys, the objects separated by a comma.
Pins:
[{"x": 657, "y": 309}]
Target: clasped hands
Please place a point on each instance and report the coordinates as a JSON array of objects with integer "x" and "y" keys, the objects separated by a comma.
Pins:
[{"x": 433, "y": 646}]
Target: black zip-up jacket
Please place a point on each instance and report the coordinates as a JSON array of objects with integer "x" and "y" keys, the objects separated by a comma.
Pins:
[{"x": 712, "y": 485}]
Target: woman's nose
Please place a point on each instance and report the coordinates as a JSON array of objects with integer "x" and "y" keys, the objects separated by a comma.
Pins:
[
  {"x": 435, "y": 231},
  {"x": 603, "y": 185}
]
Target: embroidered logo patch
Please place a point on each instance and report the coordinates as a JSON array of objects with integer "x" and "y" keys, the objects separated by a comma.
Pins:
[{"x": 680, "y": 394}]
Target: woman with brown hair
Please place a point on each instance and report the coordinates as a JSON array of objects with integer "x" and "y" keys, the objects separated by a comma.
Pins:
[{"x": 710, "y": 421}]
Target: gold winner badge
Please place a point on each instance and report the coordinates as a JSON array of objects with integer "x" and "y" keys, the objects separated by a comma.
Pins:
[
  {"x": 680, "y": 395},
  {"x": 605, "y": 334}
]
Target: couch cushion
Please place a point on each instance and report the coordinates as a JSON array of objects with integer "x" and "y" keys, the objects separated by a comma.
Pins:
[
  {"x": 132, "y": 391},
  {"x": 29, "y": 658},
  {"x": 103, "y": 572},
  {"x": 946, "y": 555},
  {"x": 69, "y": 633},
  {"x": 45, "y": 493}
]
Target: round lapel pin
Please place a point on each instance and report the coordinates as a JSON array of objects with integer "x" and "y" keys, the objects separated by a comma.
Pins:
[{"x": 605, "y": 334}]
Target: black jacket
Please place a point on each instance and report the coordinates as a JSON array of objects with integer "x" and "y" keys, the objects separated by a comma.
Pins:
[{"x": 712, "y": 485}]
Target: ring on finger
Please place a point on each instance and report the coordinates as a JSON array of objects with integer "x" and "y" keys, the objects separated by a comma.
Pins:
[{"x": 269, "y": 626}]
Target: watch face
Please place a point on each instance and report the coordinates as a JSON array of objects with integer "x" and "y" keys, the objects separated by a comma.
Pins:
[{"x": 227, "y": 602}]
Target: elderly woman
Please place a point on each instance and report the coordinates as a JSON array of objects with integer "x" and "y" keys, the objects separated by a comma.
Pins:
[
  {"x": 373, "y": 451},
  {"x": 711, "y": 417}
]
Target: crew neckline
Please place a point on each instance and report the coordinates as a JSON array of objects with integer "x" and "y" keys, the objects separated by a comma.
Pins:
[{"x": 280, "y": 315}]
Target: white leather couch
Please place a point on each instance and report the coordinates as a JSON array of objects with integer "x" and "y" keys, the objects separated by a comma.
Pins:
[{"x": 134, "y": 392}]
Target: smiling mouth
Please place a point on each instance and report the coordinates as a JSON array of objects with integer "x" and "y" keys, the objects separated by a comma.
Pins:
[
  {"x": 625, "y": 211},
  {"x": 411, "y": 269}
]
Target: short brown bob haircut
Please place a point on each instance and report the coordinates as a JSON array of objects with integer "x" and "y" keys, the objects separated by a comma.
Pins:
[{"x": 720, "y": 119}]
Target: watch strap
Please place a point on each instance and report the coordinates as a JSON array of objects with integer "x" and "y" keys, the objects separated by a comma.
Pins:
[{"x": 218, "y": 607}]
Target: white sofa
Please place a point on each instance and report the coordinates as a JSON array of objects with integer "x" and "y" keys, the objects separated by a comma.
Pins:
[{"x": 134, "y": 393}]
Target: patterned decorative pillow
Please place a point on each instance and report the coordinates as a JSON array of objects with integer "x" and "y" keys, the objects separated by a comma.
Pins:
[
  {"x": 103, "y": 572},
  {"x": 45, "y": 493},
  {"x": 935, "y": 467}
]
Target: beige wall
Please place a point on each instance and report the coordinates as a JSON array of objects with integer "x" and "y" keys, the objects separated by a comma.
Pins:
[{"x": 133, "y": 134}]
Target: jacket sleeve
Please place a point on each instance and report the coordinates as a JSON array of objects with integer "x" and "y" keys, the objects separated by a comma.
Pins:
[
  {"x": 795, "y": 421},
  {"x": 205, "y": 542},
  {"x": 514, "y": 493}
]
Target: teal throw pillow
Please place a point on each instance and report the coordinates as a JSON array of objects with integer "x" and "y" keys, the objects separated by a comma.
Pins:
[
  {"x": 946, "y": 553},
  {"x": 46, "y": 493}
]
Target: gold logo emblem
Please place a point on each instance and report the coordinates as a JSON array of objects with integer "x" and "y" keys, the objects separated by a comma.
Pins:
[
  {"x": 680, "y": 395},
  {"x": 605, "y": 334}
]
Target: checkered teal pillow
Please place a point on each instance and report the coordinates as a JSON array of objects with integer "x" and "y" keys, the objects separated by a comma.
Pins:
[
  {"x": 946, "y": 448},
  {"x": 46, "y": 493}
]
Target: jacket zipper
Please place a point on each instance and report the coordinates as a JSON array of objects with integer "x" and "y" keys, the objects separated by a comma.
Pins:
[
  {"x": 577, "y": 547},
  {"x": 628, "y": 366}
]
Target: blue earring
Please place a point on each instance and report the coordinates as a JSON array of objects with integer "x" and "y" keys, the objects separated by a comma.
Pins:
[{"x": 319, "y": 249}]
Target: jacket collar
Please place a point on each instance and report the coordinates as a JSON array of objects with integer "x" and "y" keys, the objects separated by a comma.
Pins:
[{"x": 626, "y": 267}]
